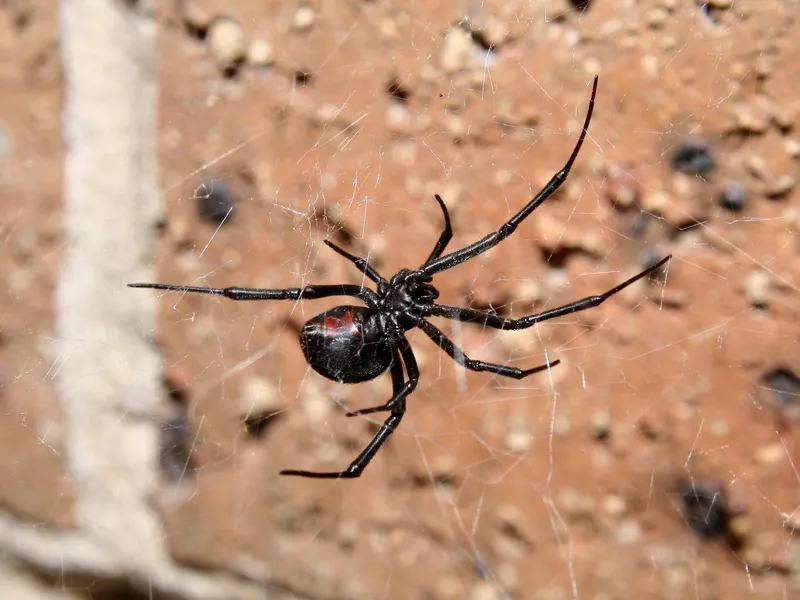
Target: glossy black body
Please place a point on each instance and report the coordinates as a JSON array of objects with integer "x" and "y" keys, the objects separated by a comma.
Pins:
[
  {"x": 347, "y": 344},
  {"x": 352, "y": 344}
]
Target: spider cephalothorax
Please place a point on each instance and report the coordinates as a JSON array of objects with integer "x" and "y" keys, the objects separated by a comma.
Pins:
[{"x": 353, "y": 344}]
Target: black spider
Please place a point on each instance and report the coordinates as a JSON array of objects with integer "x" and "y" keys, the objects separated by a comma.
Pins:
[{"x": 352, "y": 344}]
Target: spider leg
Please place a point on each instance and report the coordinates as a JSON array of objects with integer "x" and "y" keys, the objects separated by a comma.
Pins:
[
  {"x": 398, "y": 409},
  {"x": 459, "y": 256},
  {"x": 458, "y": 355},
  {"x": 397, "y": 388},
  {"x": 446, "y": 235},
  {"x": 469, "y": 315},
  {"x": 360, "y": 263},
  {"x": 309, "y": 292}
]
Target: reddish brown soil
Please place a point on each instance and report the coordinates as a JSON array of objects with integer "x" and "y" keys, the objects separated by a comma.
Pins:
[{"x": 565, "y": 484}]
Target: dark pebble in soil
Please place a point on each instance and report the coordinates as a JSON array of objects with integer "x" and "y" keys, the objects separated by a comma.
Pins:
[
  {"x": 215, "y": 202},
  {"x": 733, "y": 197},
  {"x": 706, "y": 511},
  {"x": 784, "y": 384},
  {"x": 693, "y": 157}
]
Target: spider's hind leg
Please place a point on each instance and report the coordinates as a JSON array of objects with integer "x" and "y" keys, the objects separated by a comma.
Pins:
[
  {"x": 397, "y": 406},
  {"x": 398, "y": 387}
]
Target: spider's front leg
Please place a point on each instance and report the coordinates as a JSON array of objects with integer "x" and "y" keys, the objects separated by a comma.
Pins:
[
  {"x": 309, "y": 292},
  {"x": 397, "y": 406}
]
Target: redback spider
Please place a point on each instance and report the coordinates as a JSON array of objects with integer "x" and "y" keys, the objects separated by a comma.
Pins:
[{"x": 352, "y": 344}]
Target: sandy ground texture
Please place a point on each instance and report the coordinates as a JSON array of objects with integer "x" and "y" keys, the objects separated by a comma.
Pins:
[{"x": 215, "y": 143}]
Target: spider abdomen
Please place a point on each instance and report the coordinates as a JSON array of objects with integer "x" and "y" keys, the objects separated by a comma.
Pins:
[{"x": 338, "y": 345}]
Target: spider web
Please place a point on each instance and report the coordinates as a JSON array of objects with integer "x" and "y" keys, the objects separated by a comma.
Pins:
[{"x": 657, "y": 460}]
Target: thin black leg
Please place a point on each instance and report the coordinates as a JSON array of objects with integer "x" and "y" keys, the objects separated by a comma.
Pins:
[
  {"x": 469, "y": 315},
  {"x": 446, "y": 235},
  {"x": 459, "y": 256},
  {"x": 476, "y": 365},
  {"x": 398, "y": 391},
  {"x": 360, "y": 263},
  {"x": 309, "y": 292},
  {"x": 398, "y": 409}
]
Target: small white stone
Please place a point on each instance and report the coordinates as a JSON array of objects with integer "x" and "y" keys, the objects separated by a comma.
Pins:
[
  {"x": 258, "y": 396},
  {"x": 260, "y": 53},
  {"x": 456, "y": 50},
  {"x": 614, "y": 506},
  {"x": 792, "y": 147},
  {"x": 197, "y": 14},
  {"x": 519, "y": 439},
  {"x": 304, "y": 18},
  {"x": 226, "y": 42},
  {"x": 756, "y": 288},
  {"x": 770, "y": 454}
]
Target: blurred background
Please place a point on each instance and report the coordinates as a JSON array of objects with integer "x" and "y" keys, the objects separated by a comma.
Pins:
[{"x": 213, "y": 143}]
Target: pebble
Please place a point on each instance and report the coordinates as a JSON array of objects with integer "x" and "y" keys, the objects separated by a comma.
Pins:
[
  {"x": 304, "y": 18},
  {"x": 215, "y": 202},
  {"x": 720, "y": 3},
  {"x": 388, "y": 28},
  {"x": 751, "y": 117},
  {"x": 446, "y": 587},
  {"x": 485, "y": 590},
  {"x": 756, "y": 288},
  {"x": 260, "y": 53},
  {"x": 315, "y": 401},
  {"x": 705, "y": 509},
  {"x": 784, "y": 118},
  {"x": 792, "y": 147},
  {"x": 453, "y": 195},
  {"x": 494, "y": 33},
  {"x": 656, "y": 18},
  {"x": 740, "y": 526},
  {"x": 511, "y": 520},
  {"x": 457, "y": 50},
  {"x": 326, "y": 114},
  {"x": 770, "y": 454},
  {"x": 507, "y": 575},
  {"x": 397, "y": 91},
  {"x": 258, "y": 396},
  {"x": 204, "y": 330},
  {"x": 519, "y": 439},
  {"x": 733, "y": 197},
  {"x": 629, "y": 532},
  {"x": 601, "y": 425},
  {"x": 347, "y": 534},
  {"x": 784, "y": 385},
  {"x": 791, "y": 217},
  {"x": 614, "y": 505},
  {"x": 719, "y": 428},
  {"x": 757, "y": 167},
  {"x": 528, "y": 292},
  {"x": 197, "y": 14},
  {"x": 650, "y": 65},
  {"x": 793, "y": 521},
  {"x": 6, "y": 141},
  {"x": 693, "y": 157},
  {"x": 226, "y": 42},
  {"x": 678, "y": 580},
  {"x": 622, "y": 187},
  {"x": 781, "y": 187},
  {"x": 456, "y": 126},
  {"x": 574, "y": 503},
  {"x": 24, "y": 244}
]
